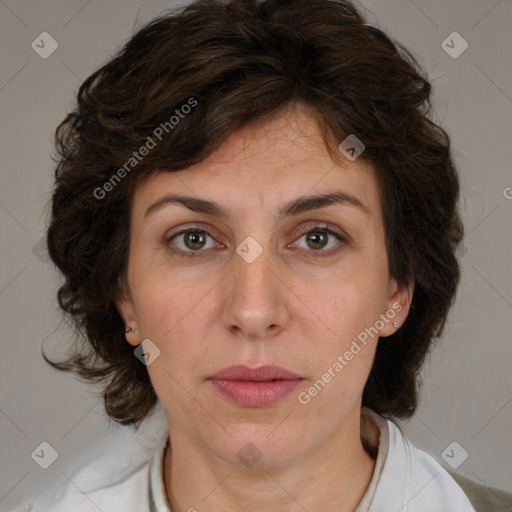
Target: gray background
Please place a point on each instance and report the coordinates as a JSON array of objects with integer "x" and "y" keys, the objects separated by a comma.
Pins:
[{"x": 467, "y": 390}]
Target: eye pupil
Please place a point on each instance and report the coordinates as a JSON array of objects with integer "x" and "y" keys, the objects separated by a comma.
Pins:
[{"x": 315, "y": 238}]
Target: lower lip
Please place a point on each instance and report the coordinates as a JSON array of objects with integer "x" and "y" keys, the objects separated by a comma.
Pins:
[{"x": 255, "y": 394}]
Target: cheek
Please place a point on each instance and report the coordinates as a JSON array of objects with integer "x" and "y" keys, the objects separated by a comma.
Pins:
[
  {"x": 340, "y": 338},
  {"x": 347, "y": 306},
  {"x": 176, "y": 318},
  {"x": 342, "y": 355}
]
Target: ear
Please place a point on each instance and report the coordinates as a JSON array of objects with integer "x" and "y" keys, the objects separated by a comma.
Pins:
[
  {"x": 397, "y": 306},
  {"x": 126, "y": 310}
]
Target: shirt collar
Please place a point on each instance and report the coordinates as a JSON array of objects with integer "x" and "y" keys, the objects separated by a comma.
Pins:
[
  {"x": 158, "y": 501},
  {"x": 374, "y": 433}
]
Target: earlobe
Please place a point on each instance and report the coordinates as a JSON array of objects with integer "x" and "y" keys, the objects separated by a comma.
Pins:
[
  {"x": 126, "y": 310},
  {"x": 131, "y": 335},
  {"x": 397, "y": 306}
]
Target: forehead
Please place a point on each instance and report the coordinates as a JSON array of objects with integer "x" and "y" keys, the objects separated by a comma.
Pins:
[
  {"x": 270, "y": 144},
  {"x": 266, "y": 163}
]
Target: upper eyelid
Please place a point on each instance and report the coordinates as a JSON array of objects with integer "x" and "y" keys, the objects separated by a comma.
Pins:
[
  {"x": 192, "y": 227},
  {"x": 208, "y": 229}
]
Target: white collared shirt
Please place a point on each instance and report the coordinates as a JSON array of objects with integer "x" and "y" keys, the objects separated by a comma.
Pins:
[{"x": 405, "y": 479}]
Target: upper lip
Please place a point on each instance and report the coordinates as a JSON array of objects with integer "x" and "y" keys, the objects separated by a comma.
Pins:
[{"x": 259, "y": 374}]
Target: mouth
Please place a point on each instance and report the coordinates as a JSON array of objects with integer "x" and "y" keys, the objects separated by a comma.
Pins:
[{"x": 255, "y": 387}]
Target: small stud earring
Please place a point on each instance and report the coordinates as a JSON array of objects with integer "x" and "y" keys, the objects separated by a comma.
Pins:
[
  {"x": 395, "y": 325},
  {"x": 128, "y": 329}
]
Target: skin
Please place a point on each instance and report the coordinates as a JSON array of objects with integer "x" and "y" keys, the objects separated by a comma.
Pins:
[{"x": 287, "y": 308}]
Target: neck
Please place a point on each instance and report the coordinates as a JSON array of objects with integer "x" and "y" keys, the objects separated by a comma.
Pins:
[{"x": 333, "y": 478}]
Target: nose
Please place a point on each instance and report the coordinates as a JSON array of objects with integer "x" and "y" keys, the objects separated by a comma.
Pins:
[{"x": 256, "y": 298}]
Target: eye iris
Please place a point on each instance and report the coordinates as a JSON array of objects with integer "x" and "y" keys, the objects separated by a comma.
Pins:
[
  {"x": 196, "y": 238},
  {"x": 315, "y": 237}
]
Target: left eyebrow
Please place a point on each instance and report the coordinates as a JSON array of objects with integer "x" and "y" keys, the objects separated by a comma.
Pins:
[
  {"x": 295, "y": 207},
  {"x": 306, "y": 203}
]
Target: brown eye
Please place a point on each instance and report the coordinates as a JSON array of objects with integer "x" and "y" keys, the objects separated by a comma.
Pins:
[
  {"x": 317, "y": 239},
  {"x": 190, "y": 241},
  {"x": 194, "y": 239},
  {"x": 320, "y": 237}
]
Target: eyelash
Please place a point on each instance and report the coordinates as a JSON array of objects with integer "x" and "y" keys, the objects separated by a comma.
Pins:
[{"x": 313, "y": 229}]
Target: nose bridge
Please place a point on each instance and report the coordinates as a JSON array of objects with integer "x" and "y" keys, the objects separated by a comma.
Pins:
[{"x": 255, "y": 300}]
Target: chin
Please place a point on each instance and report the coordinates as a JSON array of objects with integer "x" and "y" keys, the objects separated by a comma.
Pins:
[{"x": 255, "y": 448}]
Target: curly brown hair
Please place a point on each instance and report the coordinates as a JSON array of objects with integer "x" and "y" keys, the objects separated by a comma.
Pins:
[{"x": 239, "y": 62}]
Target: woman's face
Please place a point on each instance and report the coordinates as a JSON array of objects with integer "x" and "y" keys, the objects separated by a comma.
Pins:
[{"x": 249, "y": 286}]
